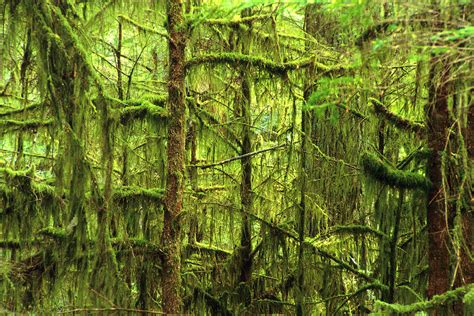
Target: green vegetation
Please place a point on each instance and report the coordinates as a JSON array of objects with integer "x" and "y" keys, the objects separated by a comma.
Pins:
[{"x": 224, "y": 157}]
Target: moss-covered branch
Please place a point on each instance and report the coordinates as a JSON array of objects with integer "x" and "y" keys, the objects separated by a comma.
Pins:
[
  {"x": 207, "y": 119},
  {"x": 27, "y": 108},
  {"x": 141, "y": 27},
  {"x": 225, "y": 161},
  {"x": 359, "y": 229},
  {"x": 152, "y": 107},
  {"x": 437, "y": 300},
  {"x": 387, "y": 174},
  {"x": 261, "y": 63},
  {"x": 145, "y": 109},
  {"x": 58, "y": 235},
  {"x": 133, "y": 192},
  {"x": 237, "y": 20},
  {"x": 25, "y": 124},
  {"x": 25, "y": 182},
  {"x": 397, "y": 121},
  {"x": 200, "y": 247},
  {"x": 309, "y": 243}
]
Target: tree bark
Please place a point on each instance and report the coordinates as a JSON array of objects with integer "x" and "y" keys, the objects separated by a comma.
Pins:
[
  {"x": 173, "y": 199},
  {"x": 438, "y": 123}
]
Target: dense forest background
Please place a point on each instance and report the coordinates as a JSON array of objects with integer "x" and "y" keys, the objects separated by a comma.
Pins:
[{"x": 228, "y": 157}]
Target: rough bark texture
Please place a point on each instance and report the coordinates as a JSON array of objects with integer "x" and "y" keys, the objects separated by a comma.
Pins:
[
  {"x": 311, "y": 28},
  {"x": 438, "y": 124},
  {"x": 246, "y": 198},
  {"x": 173, "y": 200}
]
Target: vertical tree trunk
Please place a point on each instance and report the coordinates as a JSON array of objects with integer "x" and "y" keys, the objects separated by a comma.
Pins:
[
  {"x": 310, "y": 28},
  {"x": 246, "y": 198},
  {"x": 438, "y": 124},
  {"x": 173, "y": 199}
]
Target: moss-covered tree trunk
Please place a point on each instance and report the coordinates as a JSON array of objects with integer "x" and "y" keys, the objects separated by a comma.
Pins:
[
  {"x": 438, "y": 125},
  {"x": 173, "y": 199},
  {"x": 246, "y": 199},
  {"x": 310, "y": 28}
]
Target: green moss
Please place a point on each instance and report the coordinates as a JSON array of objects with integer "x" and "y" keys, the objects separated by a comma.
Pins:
[
  {"x": 238, "y": 20},
  {"x": 28, "y": 108},
  {"x": 437, "y": 300},
  {"x": 27, "y": 173},
  {"x": 54, "y": 233},
  {"x": 197, "y": 246},
  {"x": 145, "y": 109},
  {"x": 133, "y": 192},
  {"x": 136, "y": 244},
  {"x": 387, "y": 174},
  {"x": 360, "y": 229},
  {"x": 25, "y": 124},
  {"x": 260, "y": 62},
  {"x": 142, "y": 27},
  {"x": 153, "y": 107},
  {"x": 396, "y": 120}
]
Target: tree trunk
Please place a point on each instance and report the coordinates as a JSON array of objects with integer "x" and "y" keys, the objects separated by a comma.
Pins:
[
  {"x": 310, "y": 28},
  {"x": 438, "y": 124},
  {"x": 173, "y": 199},
  {"x": 246, "y": 198}
]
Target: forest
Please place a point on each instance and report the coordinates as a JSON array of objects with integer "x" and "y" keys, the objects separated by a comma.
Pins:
[{"x": 225, "y": 157}]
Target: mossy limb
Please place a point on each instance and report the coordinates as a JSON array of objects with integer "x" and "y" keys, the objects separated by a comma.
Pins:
[{"x": 387, "y": 174}]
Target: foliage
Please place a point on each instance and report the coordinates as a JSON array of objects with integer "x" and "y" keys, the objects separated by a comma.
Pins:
[{"x": 304, "y": 145}]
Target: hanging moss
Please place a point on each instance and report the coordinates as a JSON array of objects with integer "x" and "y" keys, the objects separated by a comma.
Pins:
[
  {"x": 200, "y": 247},
  {"x": 142, "y": 27},
  {"x": 29, "y": 124},
  {"x": 236, "y": 21},
  {"x": 387, "y": 174},
  {"x": 142, "y": 245},
  {"x": 396, "y": 120},
  {"x": 360, "y": 229},
  {"x": 437, "y": 300},
  {"x": 261, "y": 63},
  {"x": 145, "y": 109},
  {"x": 133, "y": 193},
  {"x": 28, "y": 108},
  {"x": 54, "y": 233},
  {"x": 207, "y": 119}
]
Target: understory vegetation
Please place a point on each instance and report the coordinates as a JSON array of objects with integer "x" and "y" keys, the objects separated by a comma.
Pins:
[{"x": 219, "y": 157}]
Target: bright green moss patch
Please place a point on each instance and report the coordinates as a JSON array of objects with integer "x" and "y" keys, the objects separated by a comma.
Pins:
[
  {"x": 54, "y": 233},
  {"x": 437, "y": 300},
  {"x": 133, "y": 192},
  {"x": 395, "y": 120},
  {"x": 145, "y": 109},
  {"x": 260, "y": 62},
  {"x": 24, "y": 124},
  {"x": 387, "y": 174}
]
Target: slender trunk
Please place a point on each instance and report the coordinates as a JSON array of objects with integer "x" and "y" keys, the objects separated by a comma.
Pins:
[
  {"x": 310, "y": 28},
  {"x": 246, "y": 187},
  {"x": 24, "y": 94},
  {"x": 246, "y": 165},
  {"x": 173, "y": 199},
  {"x": 392, "y": 276},
  {"x": 438, "y": 125}
]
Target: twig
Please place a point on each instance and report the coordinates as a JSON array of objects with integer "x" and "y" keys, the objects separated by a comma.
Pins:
[{"x": 238, "y": 157}]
